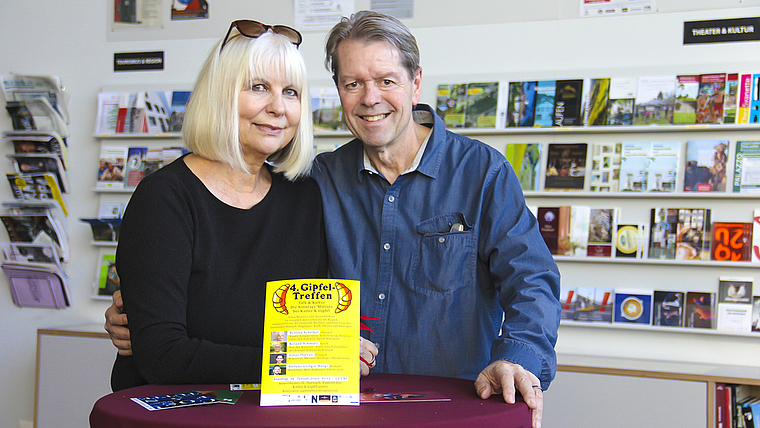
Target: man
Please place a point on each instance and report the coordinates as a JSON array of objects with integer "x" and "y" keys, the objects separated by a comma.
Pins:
[{"x": 435, "y": 227}]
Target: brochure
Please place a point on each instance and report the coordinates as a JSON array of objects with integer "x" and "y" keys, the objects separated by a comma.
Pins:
[
  {"x": 311, "y": 348},
  {"x": 187, "y": 399},
  {"x": 401, "y": 397}
]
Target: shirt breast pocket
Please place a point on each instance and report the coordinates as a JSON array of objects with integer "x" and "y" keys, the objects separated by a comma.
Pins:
[{"x": 445, "y": 261}]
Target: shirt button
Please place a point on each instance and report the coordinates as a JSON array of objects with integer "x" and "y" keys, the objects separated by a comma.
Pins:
[
  {"x": 387, "y": 246},
  {"x": 391, "y": 198},
  {"x": 441, "y": 239},
  {"x": 381, "y": 296}
]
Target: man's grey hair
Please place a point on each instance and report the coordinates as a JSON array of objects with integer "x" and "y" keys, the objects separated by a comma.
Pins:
[{"x": 369, "y": 26}]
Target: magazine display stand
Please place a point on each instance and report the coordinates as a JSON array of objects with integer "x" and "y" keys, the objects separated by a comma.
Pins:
[
  {"x": 35, "y": 221},
  {"x": 139, "y": 131}
]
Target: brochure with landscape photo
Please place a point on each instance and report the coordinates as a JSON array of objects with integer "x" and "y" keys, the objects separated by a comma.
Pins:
[
  {"x": 622, "y": 101},
  {"x": 483, "y": 102},
  {"x": 655, "y": 100},
  {"x": 521, "y": 103},
  {"x": 451, "y": 104},
  {"x": 525, "y": 159},
  {"x": 685, "y": 107}
]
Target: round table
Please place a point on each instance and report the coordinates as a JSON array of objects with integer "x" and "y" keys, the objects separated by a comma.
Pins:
[{"x": 116, "y": 410}]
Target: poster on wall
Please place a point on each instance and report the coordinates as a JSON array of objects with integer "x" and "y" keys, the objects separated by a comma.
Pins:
[
  {"x": 136, "y": 13},
  {"x": 616, "y": 7},
  {"x": 401, "y": 9},
  {"x": 189, "y": 9},
  {"x": 317, "y": 15}
]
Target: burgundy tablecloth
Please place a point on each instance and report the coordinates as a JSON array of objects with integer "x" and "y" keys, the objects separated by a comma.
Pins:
[{"x": 465, "y": 409}]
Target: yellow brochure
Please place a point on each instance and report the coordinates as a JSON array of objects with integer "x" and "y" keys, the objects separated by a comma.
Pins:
[{"x": 311, "y": 343}]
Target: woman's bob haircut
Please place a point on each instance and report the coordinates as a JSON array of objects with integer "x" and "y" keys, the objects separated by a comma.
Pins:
[{"x": 211, "y": 124}]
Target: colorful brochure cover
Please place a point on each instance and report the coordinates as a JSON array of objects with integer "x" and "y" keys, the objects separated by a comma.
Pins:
[
  {"x": 568, "y": 103},
  {"x": 598, "y": 102},
  {"x": 327, "y": 112},
  {"x": 668, "y": 308},
  {"x": 525, "y": 159},
  {"x": 545, "y": 94},
  {"x": 622, "y": 101},
  {"x": 687, "y": 91},
  {"x": 693, "y": 234},
  {"x": 655, "y": 100},
  {"x": 633, "y": 306},
  {"x": 731, "y": 241},
  {"x": 700, "y": 310},
  {"x": 187, "y": 399},
  {"x": 566, "y": 166},
  {"x": 730, "y": 99},
  {"x": 311, "y": 332},
  {"x": 482, "y": 108},
  {"x": 451, "y": 103},
  {"x": 712, "y": 89},
  {"x": 521, "y": 104},
  {"x": 744, "y": 93},
  {"x": 630, "y": 240},
  {"x": 705, "y": 167},
  {"x": 594, "y": 304},
  {"x": 601, "y": 231},
  {"x": 108, "y": 280}
]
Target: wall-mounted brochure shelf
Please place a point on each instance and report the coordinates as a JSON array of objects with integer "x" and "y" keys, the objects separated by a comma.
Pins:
[
  {"x": 129, "y": 190},
  {"x": 659, "y": 329},
  {"x": 167, "y": 135},
  {"x": 661, "y": 262},
  {"x": 642, "y": 195},
  {"x": 563, "y": 130},
  {"x": 569, "y": 130}
]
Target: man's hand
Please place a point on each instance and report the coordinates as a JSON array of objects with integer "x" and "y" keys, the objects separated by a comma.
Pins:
[
  {"x": 506, "y": 378},
  {"x": 367, "y": 354},
  {"x": 116, "y": 325}
]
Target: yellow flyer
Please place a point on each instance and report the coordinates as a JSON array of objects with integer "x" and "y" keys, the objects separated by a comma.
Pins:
[{"x": 311, "y": 343}]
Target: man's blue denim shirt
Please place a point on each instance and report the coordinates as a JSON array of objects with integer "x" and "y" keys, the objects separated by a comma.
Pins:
[{"x": 440, "y": 295}]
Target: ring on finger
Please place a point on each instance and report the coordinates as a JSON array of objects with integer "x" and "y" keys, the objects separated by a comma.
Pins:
[{"x": 369, "y": 364}]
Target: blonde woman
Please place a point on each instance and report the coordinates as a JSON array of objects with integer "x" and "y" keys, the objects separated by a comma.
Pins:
[{"x": 201, "y": 236}]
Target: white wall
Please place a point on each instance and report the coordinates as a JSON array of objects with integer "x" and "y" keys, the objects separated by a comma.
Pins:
[{"x": 512, "y": 40}]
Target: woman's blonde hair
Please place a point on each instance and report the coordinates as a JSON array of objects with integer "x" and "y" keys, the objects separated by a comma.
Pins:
[{"x": 211, "y": 124}]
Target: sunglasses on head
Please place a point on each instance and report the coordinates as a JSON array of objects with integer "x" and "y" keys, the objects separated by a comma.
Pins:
[{"x": 254, "y": 29}]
